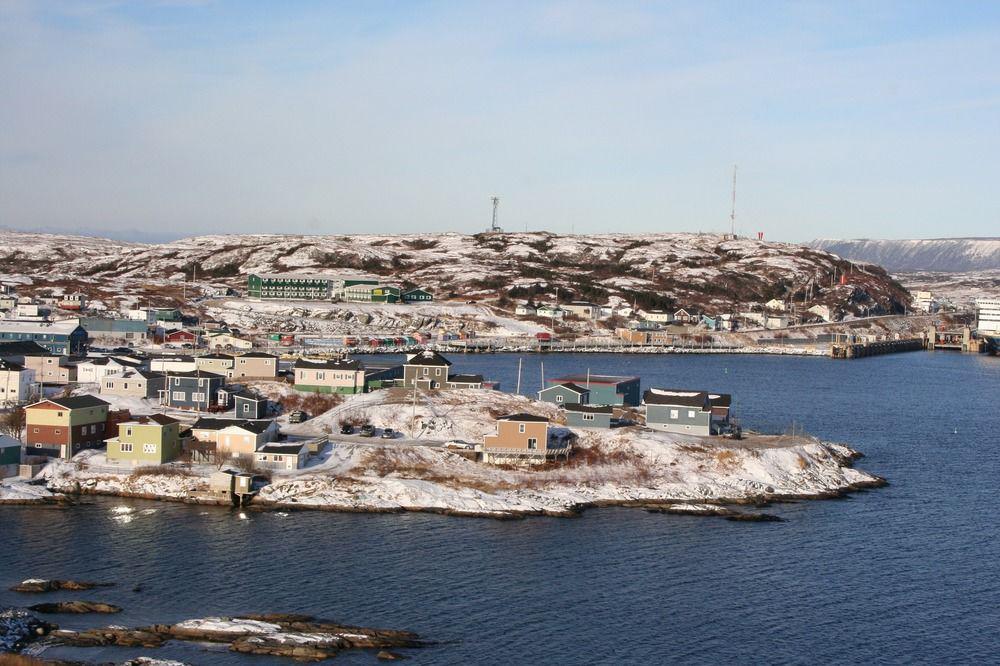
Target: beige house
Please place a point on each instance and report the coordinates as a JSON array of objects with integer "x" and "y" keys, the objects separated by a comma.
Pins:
[
  {"x": 220, "y": 364},
  {"x": 227, "y": 341},
  {"x": 329, "y": 376},
  {"x": 525, "y": 438},
  {"x": 235, "y": 436},
  {"x": 255, "y": 365},
  {"x": 284, "y": 456},
  {"x": 133, "y": 383},
  {"x": 51, "y": 369}
]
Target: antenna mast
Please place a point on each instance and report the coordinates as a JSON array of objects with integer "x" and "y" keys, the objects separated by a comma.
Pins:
[
  {"x": 732, "y": 214},
  {"x": 495, "y": 228}
]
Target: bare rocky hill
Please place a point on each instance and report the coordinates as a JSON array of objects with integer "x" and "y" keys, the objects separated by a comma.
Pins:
[
  {"x": 650, "y": 270},
  {"x": 932, "y": 254}
]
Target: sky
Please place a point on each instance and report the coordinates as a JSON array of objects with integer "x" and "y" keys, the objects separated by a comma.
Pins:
[{"x": 181, "y": 117}]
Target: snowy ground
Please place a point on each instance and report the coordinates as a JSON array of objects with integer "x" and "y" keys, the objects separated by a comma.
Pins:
[
  {"x": 19, "y": 492},
  {"x": 416, "y": 472}
]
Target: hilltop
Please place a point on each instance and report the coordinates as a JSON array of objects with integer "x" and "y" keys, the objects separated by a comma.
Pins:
[
  {"x": 667, "y": 270},
  {"x": 932, "y": 254}
]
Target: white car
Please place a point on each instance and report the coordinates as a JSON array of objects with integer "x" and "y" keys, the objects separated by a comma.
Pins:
[{"x": 455, "y": 444}]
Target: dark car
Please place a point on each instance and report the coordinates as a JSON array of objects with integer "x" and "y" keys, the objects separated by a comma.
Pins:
[
  {"x": 298, "y": 416},
  {"x": 388, "y": 433},
  {"x": 367, "y": 430},
  {"x": 346, "y": 429}
]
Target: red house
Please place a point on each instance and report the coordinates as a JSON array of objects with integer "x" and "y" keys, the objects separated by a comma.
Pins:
[{"x": 180, "y": 336}]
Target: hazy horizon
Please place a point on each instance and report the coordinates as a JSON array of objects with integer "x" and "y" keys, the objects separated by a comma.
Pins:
[{"x": 173, "y": 118}]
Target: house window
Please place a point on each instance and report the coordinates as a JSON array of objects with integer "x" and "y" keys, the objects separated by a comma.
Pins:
[
  {"x": 34, "y": 430},
  {"x": 58, "y": 431},
  {"x": 58, "y": 413},
  {"x": 320, "y": 375},
  {"x": 438, "y": 372},
  {"x": 532, "y": 443},
  {"x": 128, "y": 431},
  {"x": 177, "y": 395},
  {"x": 520, "y": 427},
  {"x": 198, "y": 397},
  {"x": 246, "y": 407},
  {"x": 149, "y": 448},
  {"x": 588, "y": 417},
  {"x": 674, "y": 414},
  {"x": 690, "y": 413},
  {"x": 177, "y": 381},
  {"x": 278, "y": 458},
  {"x": 559, "y": 398},
  {"x": 126, "y": 447},
  {"x": 426, "y": 371}
]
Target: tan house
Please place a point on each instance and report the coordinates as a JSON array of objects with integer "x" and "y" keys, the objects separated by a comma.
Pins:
[
  {"x": 283, "y": 456},
  {"x": 235, "y": 436},
  {"x": 133, "y": 383},
  {"x": 255, "y": 365},
  {"x": 220, "y": 364},
  {"x": 51, "y": 369},
  {"x": 227, "y": 341},
  {"x": 329, "y": 376},
  {"x": 525, "y": 438}
]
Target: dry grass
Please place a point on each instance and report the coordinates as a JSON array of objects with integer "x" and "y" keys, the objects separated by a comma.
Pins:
[
  {"x": 161, "y": 470},
  {"x": 20, "y": 660},
  {"x": 311, "y": 403}
]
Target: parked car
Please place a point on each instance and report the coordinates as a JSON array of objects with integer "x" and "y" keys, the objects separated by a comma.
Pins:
[
  {"x": 367, "y": 430},
  {"x": 346, "y": 429},
  {"x": 298, "y": 416},
  {"x": 454, "y": 444},
  {"x": 388, "y": 433}
]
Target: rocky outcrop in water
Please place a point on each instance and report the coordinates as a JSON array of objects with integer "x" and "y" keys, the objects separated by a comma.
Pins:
[
  {"x": 40, "y": 585},
  {"x": 76, "y": 607},
  {"x": 297, "y": 636}
]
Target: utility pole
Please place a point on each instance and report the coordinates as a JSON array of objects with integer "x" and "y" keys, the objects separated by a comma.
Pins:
[{"x": 518, "y": 391}]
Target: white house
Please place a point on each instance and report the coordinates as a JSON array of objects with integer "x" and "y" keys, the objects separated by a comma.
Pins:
[
  {"x": 776, "y": 321},
  {"x": 822, "y": 311},
  {"x": 287, "y": 456},
  {"x": 775, "y": 304},
  {"x": 658, "y": 316},
  {"x": 93, "y": 370},
  {"x": 550, "y": 311},
  {"x": 525, "y": 310},
  {"x": 15, "y": 383},
  {"x": 227, "y": 341}
]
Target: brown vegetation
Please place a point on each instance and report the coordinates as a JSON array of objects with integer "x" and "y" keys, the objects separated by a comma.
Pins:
[{"x": 161, "y": 470}]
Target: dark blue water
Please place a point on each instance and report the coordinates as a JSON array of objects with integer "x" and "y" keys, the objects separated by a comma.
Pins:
[{"x": 907, "y": 573}]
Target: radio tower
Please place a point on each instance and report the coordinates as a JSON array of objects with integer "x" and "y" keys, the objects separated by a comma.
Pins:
[
  {"x": 495, "y": 228},
  {"x": 732, "y": 214}
]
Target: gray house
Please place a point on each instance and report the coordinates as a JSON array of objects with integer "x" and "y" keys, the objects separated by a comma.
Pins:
[
  {"x": 249, "y": 405},
  {"x": 691, "y": 412},
  {"x": 588, "y": 416},
  {"x": 427, "y": 369},
  {"x": 198, "y": 390},
  {"x": 566, "y": 393},
  {"x": 604, "y": 389}
]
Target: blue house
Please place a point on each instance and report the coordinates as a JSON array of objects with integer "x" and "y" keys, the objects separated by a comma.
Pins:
[
  {"x": 685, "y": 411},
  {"x": 59, "y": 337},
  {"x": 565, "y": 394},
  {"x": 589, "y": 416},
  {"x": 249, "y": 405},
  {"x": 198, "y": 390},
  {"x": 604, "y": 389}
]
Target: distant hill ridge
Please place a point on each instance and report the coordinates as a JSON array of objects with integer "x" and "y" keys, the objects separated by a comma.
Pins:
[
  {"x": 708, "y": 272},
  {"x": 930, "y": 254}
]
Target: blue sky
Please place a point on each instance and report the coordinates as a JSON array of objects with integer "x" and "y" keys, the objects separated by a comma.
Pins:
[{"x": 869, "y": 119}]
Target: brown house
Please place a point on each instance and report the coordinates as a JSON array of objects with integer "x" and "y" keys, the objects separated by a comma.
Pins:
[
  {"x": 426, "y": 369},
  {"x": 524, "y": 438},
  {"x": 60, "y": 427}
]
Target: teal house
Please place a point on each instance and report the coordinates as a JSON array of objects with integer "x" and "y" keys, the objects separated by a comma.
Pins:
[{"x": 604, "y": 389}]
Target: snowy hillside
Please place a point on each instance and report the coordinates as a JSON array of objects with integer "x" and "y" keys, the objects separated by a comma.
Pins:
[
  {"x": 937, "y": 254},
  {"x": 651, "y": 270}
]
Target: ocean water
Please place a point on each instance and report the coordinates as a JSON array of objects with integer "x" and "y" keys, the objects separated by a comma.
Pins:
[{"x": 908, "y": 573}]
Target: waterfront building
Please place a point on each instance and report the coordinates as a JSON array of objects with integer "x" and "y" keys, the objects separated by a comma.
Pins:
[
  {"x": 604, "y": 389},
  {"x": 589, "y": 416},
  {"x": 988, "y": 315},
  {"x": 684, "y": 411},
  {"x": 525, "y": 438},
  {"x": 146, "y": 440},
  {"x": 567, "y": 393},
  {"x": 61, "y": 427}
]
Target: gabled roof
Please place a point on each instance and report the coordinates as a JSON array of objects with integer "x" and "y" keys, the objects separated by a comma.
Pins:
[
  {"x": 524, "y": 417},
  {"x": 328, "y": 364},
  {"x": 210, "y": 423},
  {"x": 159, "y": 419},
  {"x": 677, "y": 397},
  {"x": 105, "y": 360},
  {"x": 589, "y": 409},
  {"x": 76, "y": 402},
  {"x": 23, "y": 348},
  {"x": 203, "y": 374},
  {"x": 428, "y": 357},
  {"x": 257, "y": 354},
  {"x": 10, "y": 366},
  {"x": 253, "y": 426},
  {"x": 593, "y": 379},
  {"x": 218, "y": 357},
  {"x": 247, "y": 395},
  {"x": 569, "y": 386},
  {"x": 282, "y": 447},
  {"x": 132, "y": 372},
  {"x": 466, "y": 379}
]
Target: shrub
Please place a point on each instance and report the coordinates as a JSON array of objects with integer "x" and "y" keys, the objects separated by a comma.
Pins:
[{"x": 160, "y": 470}]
